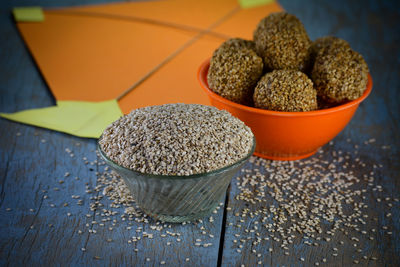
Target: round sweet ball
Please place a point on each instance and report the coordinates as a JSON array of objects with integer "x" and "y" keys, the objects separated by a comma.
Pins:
[
  {"x": 282, "y": 41},
  {"x": 326, "y": 43},
  {"x": 285, "y": 90},
  {"x": 237, "y": 43},
  {"x": 234, "y": 73},
  {"x": 339, "y": 74}
]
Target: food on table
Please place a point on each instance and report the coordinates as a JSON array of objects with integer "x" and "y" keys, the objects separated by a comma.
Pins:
[
  {"x": 234, "y": 71},
  {"x": 285, "y": 90},
  {"x": 282, "y": 41},
  {"x": 176, "y": 139}
]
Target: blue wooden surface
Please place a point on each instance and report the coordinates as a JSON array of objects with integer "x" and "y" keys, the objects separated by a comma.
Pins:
[{"x": 36, "y": 230}]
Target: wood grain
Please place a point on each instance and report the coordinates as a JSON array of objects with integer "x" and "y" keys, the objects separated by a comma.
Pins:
[{"x": 38, "y": 231}]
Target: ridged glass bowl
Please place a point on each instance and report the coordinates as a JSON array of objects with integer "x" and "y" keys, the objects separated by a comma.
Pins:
[{"x": 178, "y": 198}]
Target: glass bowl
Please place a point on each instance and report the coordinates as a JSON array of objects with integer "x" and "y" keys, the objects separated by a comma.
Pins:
[{"x": 177, "y": 198}]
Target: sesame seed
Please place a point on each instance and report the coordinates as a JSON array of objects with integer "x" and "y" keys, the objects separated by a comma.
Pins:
[{"x": 189, "y": 121}]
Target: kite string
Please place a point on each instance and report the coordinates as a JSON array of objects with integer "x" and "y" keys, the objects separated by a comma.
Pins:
[
  {"x": 142, "y": 20},
  {"x": 178, "y": 51}
]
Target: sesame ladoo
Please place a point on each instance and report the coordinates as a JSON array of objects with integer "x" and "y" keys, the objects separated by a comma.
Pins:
[
  {"x": 324, "y": 42},
  {"x": 340, "y": 74},
  {"x": 237, "y": 43},
  {"x": 177, "y": 139},
  {"x": 285, "y": 90},
  {"x": 282, "y": 41},
  {"x": 234, "y": 71}
]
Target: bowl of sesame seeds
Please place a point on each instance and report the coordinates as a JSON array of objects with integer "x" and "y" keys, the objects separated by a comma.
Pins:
[
  {"x": 285, "y": 135},
  {"x": 177, "y": 159}
]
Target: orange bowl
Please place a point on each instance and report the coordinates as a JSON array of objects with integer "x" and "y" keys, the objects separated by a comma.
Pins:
[{"x": 287, "y": 135}]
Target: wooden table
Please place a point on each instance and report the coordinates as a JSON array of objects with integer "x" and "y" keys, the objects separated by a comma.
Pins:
[{"x": 47, "y": 190}]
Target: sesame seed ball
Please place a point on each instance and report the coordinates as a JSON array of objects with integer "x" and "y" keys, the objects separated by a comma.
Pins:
[
  {"x": 285, "y": 90},
  {"x": 233, "y": 73},
  {"x": 238, "y": 43},
  {"x": 340, "y": 74},
  {"x": 326, "y": 41},
  {"x": 282, "y": 41}
]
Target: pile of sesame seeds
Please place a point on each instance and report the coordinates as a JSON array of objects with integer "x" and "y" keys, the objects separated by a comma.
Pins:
[{"x": 177, "y": 139}]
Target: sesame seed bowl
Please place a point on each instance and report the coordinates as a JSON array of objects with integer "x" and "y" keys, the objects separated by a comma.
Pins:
[
  {"x": 177, "y": 159},
  {"x": 173, "y": 198},
  {"x": 287, "y": 135}
]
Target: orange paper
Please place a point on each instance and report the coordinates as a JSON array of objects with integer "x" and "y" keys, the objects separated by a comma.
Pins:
[{"x": 94, "y": 53}]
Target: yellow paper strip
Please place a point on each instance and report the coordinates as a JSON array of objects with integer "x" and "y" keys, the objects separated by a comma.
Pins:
[
  {"x": 254, "y": 3},
  {"x": 28, "y": 14},
  {"x": 80, "y": 118}
]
